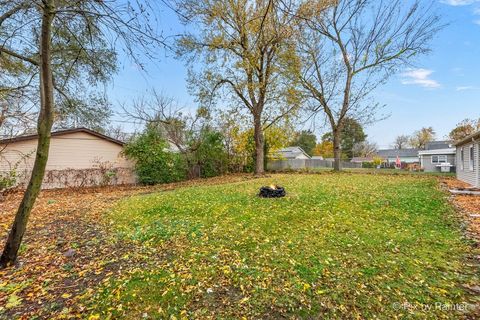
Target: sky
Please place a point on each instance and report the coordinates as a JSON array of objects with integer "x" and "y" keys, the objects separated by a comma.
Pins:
[{"x": 442, "y": 89}]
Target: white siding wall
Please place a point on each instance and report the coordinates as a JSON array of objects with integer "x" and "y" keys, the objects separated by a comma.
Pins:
[
  {"x": 76, "y": 151},
  {"x": 19, "y": 155},
  {"x": 464, "y": 172},
  {"x": 302, "y": 156}
]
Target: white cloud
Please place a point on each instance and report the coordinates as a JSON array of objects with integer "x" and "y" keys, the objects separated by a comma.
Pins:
[
  {"x": 465, "y": 88},
  {"x": 476, "y": 12},
  {"x": 419, "y": 77},
  {"x": 458, "y": 2}
]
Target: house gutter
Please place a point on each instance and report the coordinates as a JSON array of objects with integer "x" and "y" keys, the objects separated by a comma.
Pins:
[
  {"x": 477, "y": 167},
  {"x": 476, "y": 149}
]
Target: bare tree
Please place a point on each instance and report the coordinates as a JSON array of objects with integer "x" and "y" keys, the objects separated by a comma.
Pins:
[
  {"x": 164, "y": 114},
  {"x": 365, "y": 149},
  {"x": 401, "y": 142},
  {"x": 350, "y": 49},
  {"x": 118, "y": 132},
  {"x": 180, "y": 127},
  {"x": 248, "y": 50},
  {"x": 61, "y": 49}
]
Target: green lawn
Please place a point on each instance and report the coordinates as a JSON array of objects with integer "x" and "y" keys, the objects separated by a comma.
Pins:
[{"x": 338, "y": 246}]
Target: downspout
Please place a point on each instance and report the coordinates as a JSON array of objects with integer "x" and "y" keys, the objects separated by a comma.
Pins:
[{"x": 476, "y": 149}]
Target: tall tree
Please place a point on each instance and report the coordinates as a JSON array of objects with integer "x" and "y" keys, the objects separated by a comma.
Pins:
[
  {"x": 64, "y": 51},
  {"x": 401, "y": 142},
  {"x": 420, "y": 138},
  {"x": 305, "y": 139},
  {"x": 248, "y": 51},
  {"x": 464, "y": 129},
  {"x": 351, "y": 135},
  {"x": 353, "y": 47}
]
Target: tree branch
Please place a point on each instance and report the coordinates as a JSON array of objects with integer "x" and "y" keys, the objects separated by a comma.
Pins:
[
  {"x": 11, "y": 12},
  {"x": 19, "y": 56}
]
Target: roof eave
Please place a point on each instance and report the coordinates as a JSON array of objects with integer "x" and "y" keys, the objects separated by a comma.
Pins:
[
  {"x": 63, "y": 132},
  {"x": 470, "y": 138},
  {"x": 437, "y": 151}
]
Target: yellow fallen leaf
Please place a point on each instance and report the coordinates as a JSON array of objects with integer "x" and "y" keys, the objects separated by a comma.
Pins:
[{"x": 13, "y": 301}]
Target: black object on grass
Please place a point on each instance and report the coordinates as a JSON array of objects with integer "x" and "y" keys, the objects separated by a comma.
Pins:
[{"x": 272, "y": 191}]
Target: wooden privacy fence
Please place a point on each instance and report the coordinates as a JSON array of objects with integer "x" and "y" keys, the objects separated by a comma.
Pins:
[{"x": 299, "y": 164}]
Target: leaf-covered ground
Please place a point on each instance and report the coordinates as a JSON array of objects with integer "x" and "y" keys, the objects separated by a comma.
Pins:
[
  {"x": 339, "y": 246},
  {"x": 69, "y": 250},
  {"x": 468, "y": 207}
]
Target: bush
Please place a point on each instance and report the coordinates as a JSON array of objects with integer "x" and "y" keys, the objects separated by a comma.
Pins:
[
  {"x": 8, "y": 180},
  {"x": 154, "y": 163},
  {"x": 210, "y": 155},
  {"x": 368, "y": 165}
]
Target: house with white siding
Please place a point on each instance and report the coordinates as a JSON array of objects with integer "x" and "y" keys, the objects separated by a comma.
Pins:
[
  {"x": 77, "y": 157},
  {"x": 289, "y": 153},
  {"x": 468, "y": 165}
]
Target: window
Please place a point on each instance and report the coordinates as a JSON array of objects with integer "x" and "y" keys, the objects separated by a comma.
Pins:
[
  {"x": 462, "y": 159},
  {"x": 471, "y": 158},
  {"x": 439, "y": 159}
]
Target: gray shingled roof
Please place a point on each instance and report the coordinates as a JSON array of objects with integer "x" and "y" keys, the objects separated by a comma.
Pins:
[
  {"x": 393, "y": 153},
  {"x": 434, "y": 145}
]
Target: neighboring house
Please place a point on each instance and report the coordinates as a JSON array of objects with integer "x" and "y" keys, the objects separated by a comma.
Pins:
[
  {"x": 468, "y": 155},
  {"x": 77, "y": 157},
  {"x": 317, "y": 158},
  {"x": 290, "y": 153},
  {"x": 434, "y": 160},
  {"x": 437, "y": 156},
  {"x": 408, "y": 156}
]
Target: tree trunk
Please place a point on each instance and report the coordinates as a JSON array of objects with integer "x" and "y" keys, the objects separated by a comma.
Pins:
[
  {"x": 259, "y": 141},
  {"x": 44, "y": 126},
  {"x": 337, "y": 150}
]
